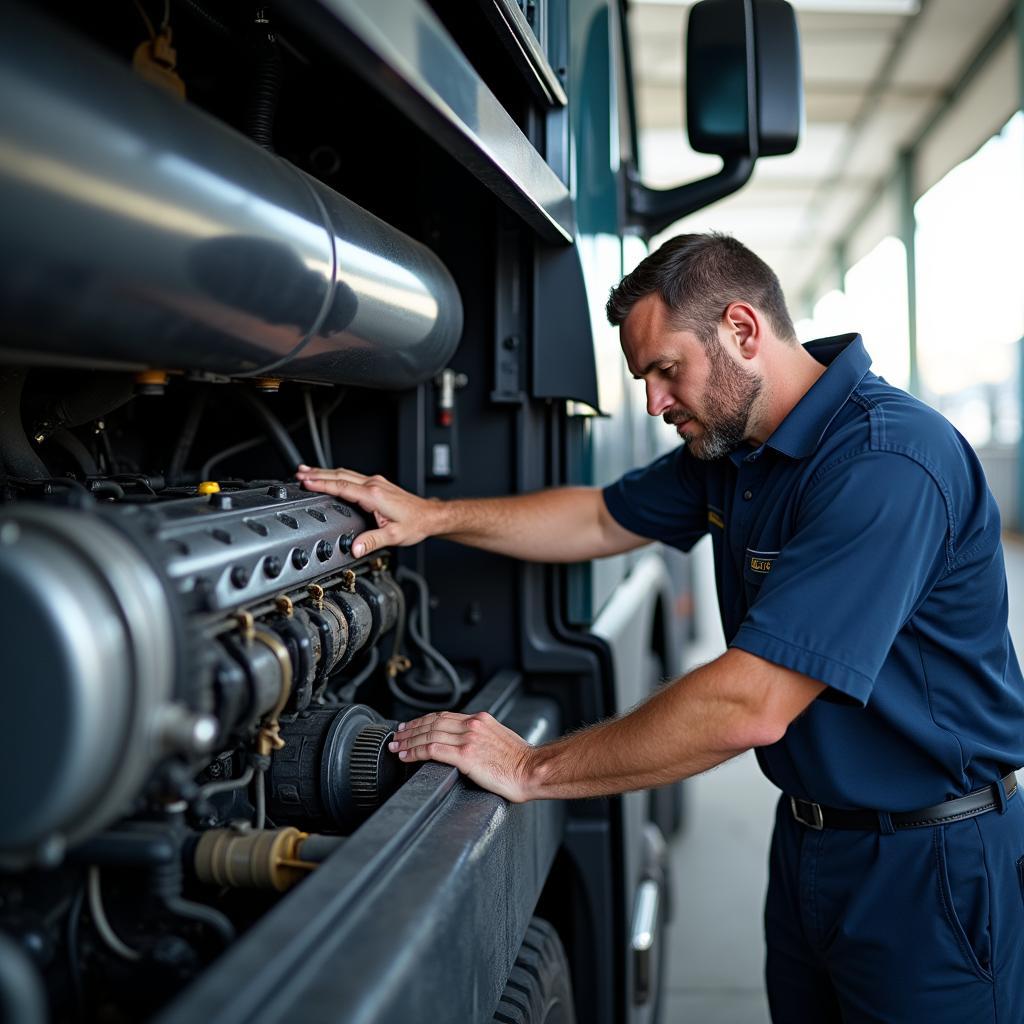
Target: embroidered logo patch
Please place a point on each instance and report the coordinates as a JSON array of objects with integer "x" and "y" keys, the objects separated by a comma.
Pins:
[
  {"x": 715, "y": 517},
  {"x": 761, "y": 564}
]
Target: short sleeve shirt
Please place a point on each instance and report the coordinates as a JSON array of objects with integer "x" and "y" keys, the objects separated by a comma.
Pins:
[{"x": 860, "y": 546}]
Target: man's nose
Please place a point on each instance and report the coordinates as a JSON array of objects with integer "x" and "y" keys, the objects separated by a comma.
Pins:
[{"x": 659, "y": 400}]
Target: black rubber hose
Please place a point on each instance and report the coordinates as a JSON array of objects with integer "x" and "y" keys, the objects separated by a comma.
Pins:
[
  {"x": 276, "y": 431},
  {"x": 166, "y": 882},
  {"x": 261, "y": 110},
  {"x": 186, "y": 439},
  {"x": 92, "y": 396},
  {"x": 74, "y": 447}
]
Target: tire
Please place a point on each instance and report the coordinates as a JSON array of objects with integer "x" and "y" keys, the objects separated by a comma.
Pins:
[{"x": 538, "y": 990}]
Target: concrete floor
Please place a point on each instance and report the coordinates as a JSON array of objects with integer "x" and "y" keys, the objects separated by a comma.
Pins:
[{"x": 715, "y": 951}]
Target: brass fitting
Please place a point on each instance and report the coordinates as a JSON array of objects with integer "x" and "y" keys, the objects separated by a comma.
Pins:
[
  {"x": 246, "y": 626},
  {"x": 268, "y": 859},
  {"x": 269, "y": 738}
]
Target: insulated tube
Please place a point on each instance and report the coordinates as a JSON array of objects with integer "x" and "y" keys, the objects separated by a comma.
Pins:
[{"x": 140, "y": 232}]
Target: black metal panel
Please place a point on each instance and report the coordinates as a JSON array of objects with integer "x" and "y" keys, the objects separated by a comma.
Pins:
[
  {"x": 563, "y": 345},
  {"x": 423, "y": 908},
  {"x": 401, "y": 49}
]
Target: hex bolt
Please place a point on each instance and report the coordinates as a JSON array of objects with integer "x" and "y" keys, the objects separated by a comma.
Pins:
[
  {"x": 272, "y": 567},
  {"x": 324, "y": 550},
  {"x": 300, "y": 558},
  {"x": 240, "y": 576}
]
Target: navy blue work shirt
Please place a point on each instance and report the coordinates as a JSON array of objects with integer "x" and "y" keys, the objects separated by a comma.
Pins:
[{"x": 859, "y": 545}]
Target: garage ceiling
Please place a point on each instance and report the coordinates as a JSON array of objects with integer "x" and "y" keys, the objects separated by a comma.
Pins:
[{"x": 877, "y": 73}]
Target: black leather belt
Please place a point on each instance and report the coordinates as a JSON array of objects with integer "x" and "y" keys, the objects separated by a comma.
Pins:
[{"x": 979, "y": 802}]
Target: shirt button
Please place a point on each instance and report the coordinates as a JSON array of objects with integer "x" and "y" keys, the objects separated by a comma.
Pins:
[{"x": 747, "y": 495}]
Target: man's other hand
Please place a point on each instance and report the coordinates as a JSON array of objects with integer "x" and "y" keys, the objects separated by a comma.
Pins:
[
  {"x": 484, "y": 750},
  {"x": 402, "y": 518}
]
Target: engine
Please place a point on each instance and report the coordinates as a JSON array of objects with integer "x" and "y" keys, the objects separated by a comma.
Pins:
[{"x": 203, "y": 686}]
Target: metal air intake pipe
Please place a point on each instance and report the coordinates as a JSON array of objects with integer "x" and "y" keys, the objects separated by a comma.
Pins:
[{"x": 136, "y": 231}]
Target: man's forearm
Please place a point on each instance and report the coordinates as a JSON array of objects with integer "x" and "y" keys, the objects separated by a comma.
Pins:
[
  {"x": 559, "y": 525},
  {"x": 569, "y": 524},
  {"x": 686, "y": 728},
  {"x": 719, "y": 710}
]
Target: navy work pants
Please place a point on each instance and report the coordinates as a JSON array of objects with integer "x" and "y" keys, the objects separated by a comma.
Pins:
[{"x": 920, "y": 926}]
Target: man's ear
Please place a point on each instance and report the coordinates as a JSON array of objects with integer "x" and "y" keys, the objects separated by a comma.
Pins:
[{"x": 745, "y": 328}]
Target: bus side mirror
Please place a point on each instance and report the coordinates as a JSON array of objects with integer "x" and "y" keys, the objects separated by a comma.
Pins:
[
  {"x": 744, "y": 99},
  {"x": 743, "y": 56}
]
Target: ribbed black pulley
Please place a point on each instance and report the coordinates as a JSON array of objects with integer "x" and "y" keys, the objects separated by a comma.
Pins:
[{"x": 334, "y": 770}]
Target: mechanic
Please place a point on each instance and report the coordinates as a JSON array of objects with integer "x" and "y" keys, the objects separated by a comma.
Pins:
[{"x": 863, "y": 594}]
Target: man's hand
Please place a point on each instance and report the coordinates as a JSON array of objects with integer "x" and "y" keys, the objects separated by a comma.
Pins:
[
  {"x": 483, "y": 749},
  {"x": 402, "y": 518}
]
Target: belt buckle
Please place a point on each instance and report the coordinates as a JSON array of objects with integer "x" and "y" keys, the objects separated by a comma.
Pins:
[{"x": 817, "y": 820}]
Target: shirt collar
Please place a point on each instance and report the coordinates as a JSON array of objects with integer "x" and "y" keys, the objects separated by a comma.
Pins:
[{"x": 847, "y": 362}]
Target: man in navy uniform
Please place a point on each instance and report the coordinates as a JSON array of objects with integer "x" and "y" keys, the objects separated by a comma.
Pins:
[{"x": 863, "y": 595}]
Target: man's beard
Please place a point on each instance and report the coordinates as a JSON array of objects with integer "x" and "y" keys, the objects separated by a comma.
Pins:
[{"x": 728, "y": 400}]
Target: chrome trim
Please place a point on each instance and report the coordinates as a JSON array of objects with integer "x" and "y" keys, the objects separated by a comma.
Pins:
[
  {"x": 519, "y": 38},
  {"x": 645, "y": 916},
  {"x": 643, "y": 938}
]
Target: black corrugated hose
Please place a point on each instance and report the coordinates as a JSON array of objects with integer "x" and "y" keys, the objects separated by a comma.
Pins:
[{"x": 261, "y": 109}]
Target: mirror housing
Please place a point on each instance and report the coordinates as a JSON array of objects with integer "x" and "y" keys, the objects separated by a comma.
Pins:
[{"x": 744, "y": 99}]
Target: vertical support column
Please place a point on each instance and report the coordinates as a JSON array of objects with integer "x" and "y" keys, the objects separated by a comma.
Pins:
[
  {"x": 842, "y": 264},
  {"x": 1019, "y": 27},
  {"x": 908, "y": 229}
]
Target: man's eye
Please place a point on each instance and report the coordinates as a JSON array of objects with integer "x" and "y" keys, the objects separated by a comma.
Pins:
[{"x": 669, "y": 370}]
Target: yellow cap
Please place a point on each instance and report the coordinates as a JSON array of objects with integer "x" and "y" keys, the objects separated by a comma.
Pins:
[{"x": 208, "y": 487}]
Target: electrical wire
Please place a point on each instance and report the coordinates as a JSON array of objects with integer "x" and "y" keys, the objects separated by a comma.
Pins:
[
  {"x": 314, "y": 432},
  {"x": 237, "y": 449},
  {"x": 99, "y": 919},
  {"x": 278, "y": 434},
  {"x": 187, "y": 437},
  {"x": 208, "y": 17},
  {"x": 225, "y": 785},
  {"x": 108, "y": 452},
  {"x": 325, "y": 426},
  {"x": 74, "y": 966},
  {"x": 419, "y": 635},
  {"x": 259, "y": 785},
  {"x": 145, "y": 18}
]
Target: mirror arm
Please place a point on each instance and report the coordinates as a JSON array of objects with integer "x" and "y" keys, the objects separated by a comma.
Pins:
[{"x": 654, "y": 209}]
